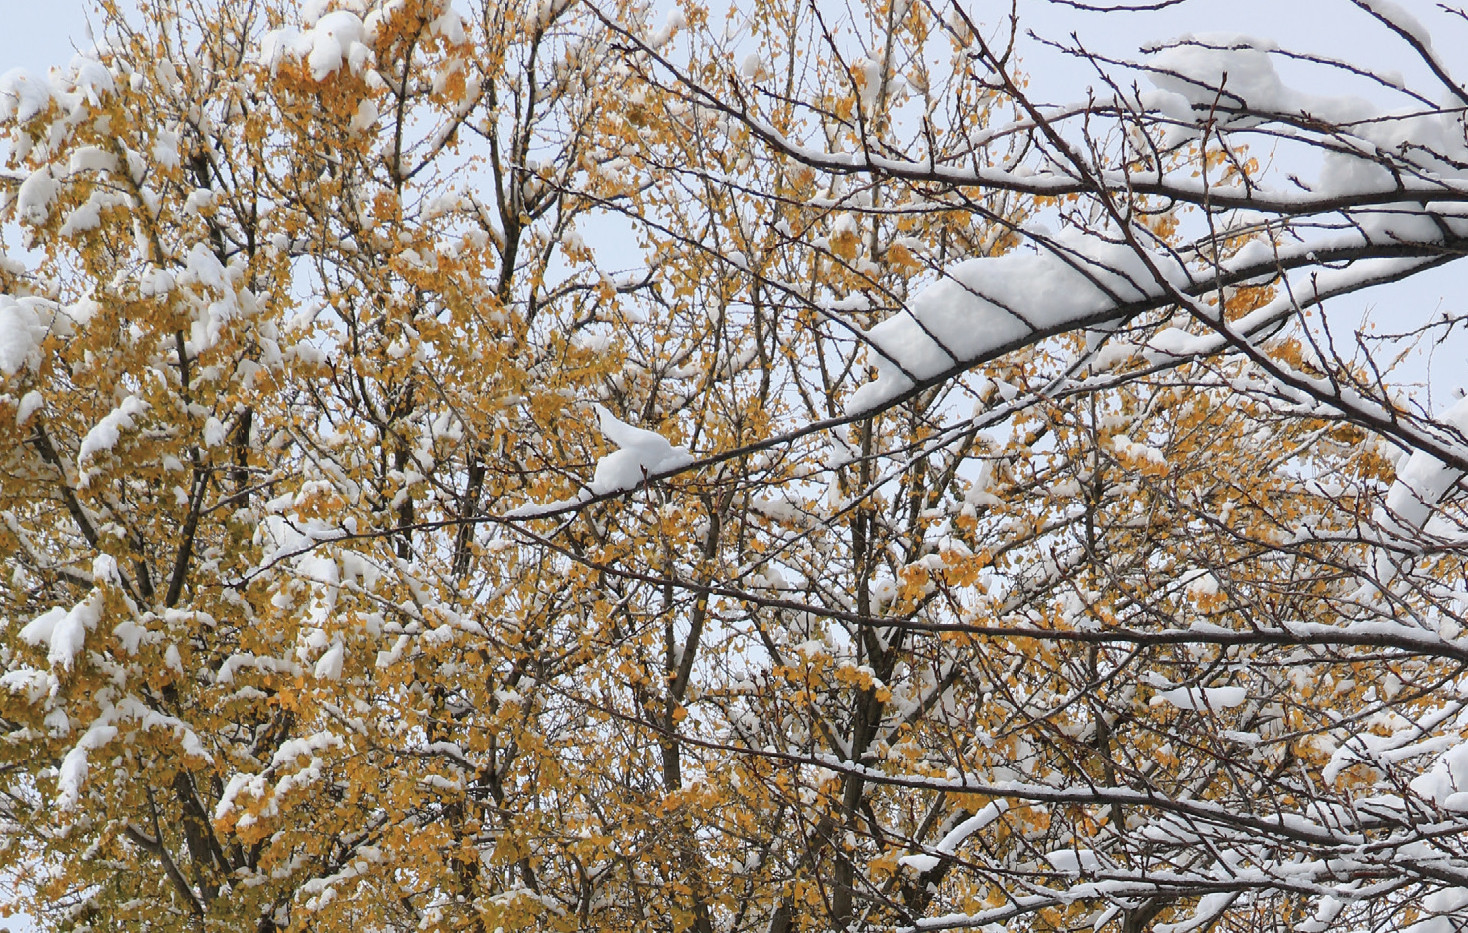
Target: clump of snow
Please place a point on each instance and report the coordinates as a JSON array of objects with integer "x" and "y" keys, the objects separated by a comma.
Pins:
[
  {"x": 22, "y": 329},
  {"x": 671, "y": 25},
  {"x": 1211, "y": 76},
  {"x": 1203, "y": 585},
  {"x": 1423, "y": 480},
  {"x": 333, "y": 39},
  {"x": 1445, "y": 783},
  {"x": 1203, "y": 698},
  {"x": 366, "y": 116},
  {"x": 63, "y": 631},
  {"x": 640, "y": 453},
  {"x": 948, "y": 845},
  {"x": 869, "y": 78},
  {"x": 988, "y": 305},
  {"x": 1421, "y": 483},
  {"x": 90, "y": 79},
  {"x": 73, "y": 772},
  {"x": 33, "y": 683},
  {"x": 1132, "y": 450},
  {"x": 33, "y": 200},
  {"x": 1399, "y": 19},
  {"x": 1074, "y": 861},
  {"x": 105, "y": 434},
  {"x": 74, "y": 766},
  {"x": 23, "y": 95},
  {"x": 91, "y": 159},
  {"x": 919, "y": 863},
  {"x": 329, "y": 667},
  {"x": 1174, "y": 343},
  {"x": 286, "y": 757},
  {"x": 214, "y": 432},
  {"x": 336, "y": 35}
]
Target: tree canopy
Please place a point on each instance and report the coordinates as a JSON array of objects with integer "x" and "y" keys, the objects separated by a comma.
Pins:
[{"x": 585, "y": 465}]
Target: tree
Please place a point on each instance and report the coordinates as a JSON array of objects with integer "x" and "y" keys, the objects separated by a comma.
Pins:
[
  {"x": 274, "y": 345},
  {"x": 869, "y": 556}
]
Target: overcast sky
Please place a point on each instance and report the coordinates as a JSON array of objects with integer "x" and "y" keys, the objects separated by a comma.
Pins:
[{"x": 40, "y": 33}]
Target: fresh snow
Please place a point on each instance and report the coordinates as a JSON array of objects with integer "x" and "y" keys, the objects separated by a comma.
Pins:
[
  {"x": 948, "y": 845},
  {"x": 987, "y": 305},
  {"x": 640, "y": 453},
  {"x": 63, "y": 631},
  {"x": 1204, "y": 698},
  {"x": 337, "y": 38},
  {"x": 1424, "y": 479},
  {"x": 22, "y": 330},
  {"x": 329, "y": 667},
  {"x": 1073, "y": 861},
  {"x": 106, "y": 433},
  {"x": 23, "y": 95}
]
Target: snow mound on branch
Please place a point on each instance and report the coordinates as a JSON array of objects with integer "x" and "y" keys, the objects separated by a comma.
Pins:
[
  {"x": 984, "y": 307},
  {"x": 332, "y": 39},
  {"x": 1211, "y": 76},
  {"x": 1399, "y": 18},
  {"x": 329, "y": 667},
  {"x": 23, "y": 95},
  {"x": 1074, "y": 861},
  {"x": 33, "y": 200},
  {"x": 1421, "y": 484},
  {"x": 106, "y": 433},
  {"x": 62, "y": 632},
  {"x": 72, "y": 774},
  {"x": 1445, "y": 784},
  {"x": 640, "y": 453},
  {"x": 1422, "y": 481},
  {"x": 1230, "y": 82},
  {"x": 22, "y": 328},
  {"x": 91, "y": 79},
  {"x": 1203, "y": 698},
  {"x": 956, "y": 837}
]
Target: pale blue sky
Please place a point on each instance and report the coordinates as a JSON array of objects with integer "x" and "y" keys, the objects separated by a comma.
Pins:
[{"x": 40, "y": 33}]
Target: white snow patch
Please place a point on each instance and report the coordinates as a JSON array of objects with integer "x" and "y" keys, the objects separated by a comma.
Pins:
[
  {"x": 986, "y": 305},
  {"x": 1074, "y": 861},
  {"x": 640, "y": 453},
  {"x": 105, "y": 434},
  {"x": 62, "y": 632},
  {"x": 336, "y": 38},
  {"x": 23, "y": 95},
  {"x": 33, "y": 200},
  {"x": 21, "y": 332},
  {"x": 74, "y": 765},
  {"x": 948, "y": 845},
  {"x": 1421, "y": 483},
  {"x": 1203, "y": 698},
  {"x": 329, "y": 667},
  {"x": 30, "y": 403}
]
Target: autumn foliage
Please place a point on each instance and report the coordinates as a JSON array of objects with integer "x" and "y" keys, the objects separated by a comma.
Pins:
[{"x": 331, "y": 603}]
